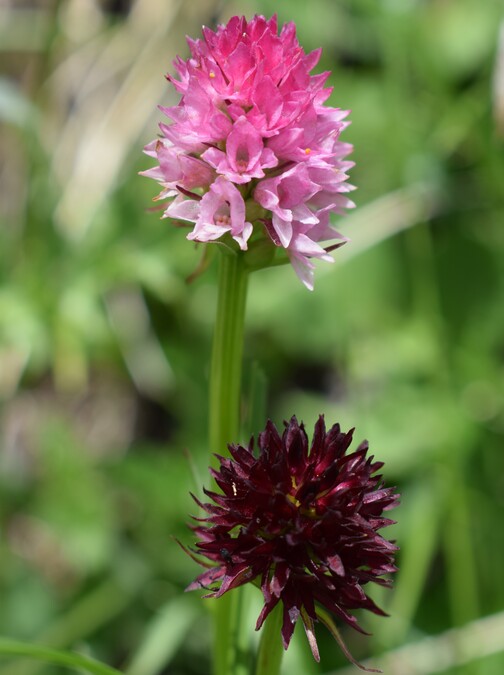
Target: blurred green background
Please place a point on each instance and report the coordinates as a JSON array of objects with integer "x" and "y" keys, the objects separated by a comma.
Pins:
[{"x": 104, "y": 347}]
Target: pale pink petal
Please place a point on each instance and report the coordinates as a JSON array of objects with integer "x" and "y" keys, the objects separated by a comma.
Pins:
[{"x": 183, "y": 209}]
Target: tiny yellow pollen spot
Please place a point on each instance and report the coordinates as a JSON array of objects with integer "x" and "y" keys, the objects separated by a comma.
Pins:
[
  {"x": 293, "y": 500},
  {"x": 307, "y": 151},
  {"x": 211, "y": 74}
]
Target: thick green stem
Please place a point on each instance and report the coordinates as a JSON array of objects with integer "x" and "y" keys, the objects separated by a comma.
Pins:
[
  {"x": 225, "y": 389},
  {"x": 269, "y": 658},
  {"x": 226, "y": 367}
]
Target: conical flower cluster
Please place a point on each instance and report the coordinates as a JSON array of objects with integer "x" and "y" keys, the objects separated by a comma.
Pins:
[
  {"x": 301, "y": 521},
  {"x": 251, "y": 151}
]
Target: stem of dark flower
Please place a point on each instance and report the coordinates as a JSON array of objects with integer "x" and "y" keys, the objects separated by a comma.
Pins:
[{"x": 269, "y": 658}]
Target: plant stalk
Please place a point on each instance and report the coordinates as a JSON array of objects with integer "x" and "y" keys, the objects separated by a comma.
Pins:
[
  {"x": 224, "y": 428},
  {"x": 269, "y": 658},
  {"x": 226, "y": 365}
]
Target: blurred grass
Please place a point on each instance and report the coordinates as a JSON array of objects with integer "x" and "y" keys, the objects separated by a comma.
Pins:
[{"x": 104, "y": 348}]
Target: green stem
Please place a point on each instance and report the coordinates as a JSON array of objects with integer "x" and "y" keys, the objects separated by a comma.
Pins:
[
  {"x": 225, "y": 389},
  {"x": 226, "y": 366},
  {"x": 269, "y": 658}
]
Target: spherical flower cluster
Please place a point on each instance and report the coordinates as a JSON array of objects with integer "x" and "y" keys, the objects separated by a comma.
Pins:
[
  {"x": 251, "y": 150},
  {"x": 302, "y": 523}
]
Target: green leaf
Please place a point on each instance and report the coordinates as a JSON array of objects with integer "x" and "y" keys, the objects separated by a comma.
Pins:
[
  {"x": 71, "y": 660},
  {"x": 163, "y": 637}
]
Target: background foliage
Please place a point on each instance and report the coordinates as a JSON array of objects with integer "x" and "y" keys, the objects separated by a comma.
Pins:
[{"x": 104, "y": 347}]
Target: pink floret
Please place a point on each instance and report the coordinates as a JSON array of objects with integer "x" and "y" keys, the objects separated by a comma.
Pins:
[{"x": 221, "y": 211}]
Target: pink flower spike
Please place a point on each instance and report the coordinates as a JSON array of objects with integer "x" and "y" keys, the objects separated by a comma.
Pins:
[{"x": 252, "y": 134}]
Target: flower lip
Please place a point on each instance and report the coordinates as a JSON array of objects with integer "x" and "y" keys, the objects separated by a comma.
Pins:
[{"x": 301, "y": 520}]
